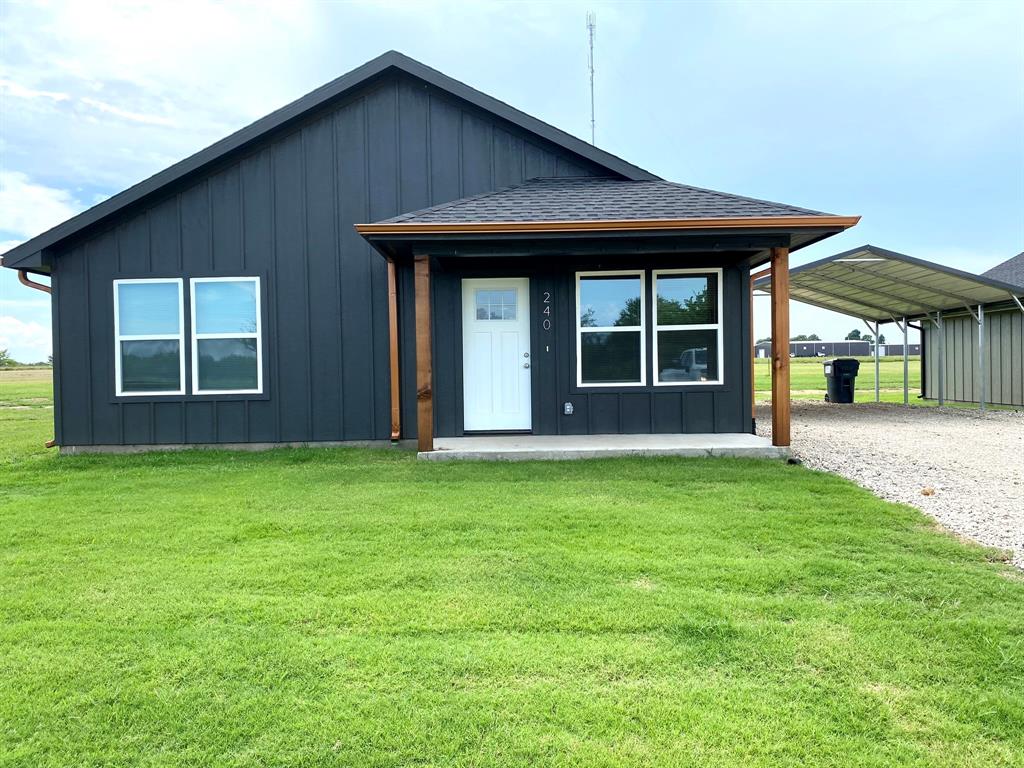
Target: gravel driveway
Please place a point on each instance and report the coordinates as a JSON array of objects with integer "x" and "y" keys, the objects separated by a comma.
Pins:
[{"x": 974, "y": 464}]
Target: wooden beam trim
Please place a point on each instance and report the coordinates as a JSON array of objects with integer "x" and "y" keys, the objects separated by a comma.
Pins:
[
  {"x": 396, "y": 409},
  {"x": 424, "y": 363},
  {"x": 605, "y": 225},
  {"x": 780, "y": 347}
]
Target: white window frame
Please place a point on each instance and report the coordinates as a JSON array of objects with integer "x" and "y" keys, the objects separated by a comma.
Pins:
[
  {"x": 197, "y": 337},
  {"x": 642, "y": 328},
  {"x": 717, "y": 326},
  {"x": 179, "y": 337}
]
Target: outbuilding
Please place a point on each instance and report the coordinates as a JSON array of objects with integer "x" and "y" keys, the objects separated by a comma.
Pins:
[
  {"x": 955, "y": 346},
  {"x": 399, "y": 256}
]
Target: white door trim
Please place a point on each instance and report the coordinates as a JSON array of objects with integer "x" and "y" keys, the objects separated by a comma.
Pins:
[{"x": 497, "y": 362}]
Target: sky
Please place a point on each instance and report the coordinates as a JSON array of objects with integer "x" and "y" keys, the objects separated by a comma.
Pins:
[{"x": 909, "y": 114}]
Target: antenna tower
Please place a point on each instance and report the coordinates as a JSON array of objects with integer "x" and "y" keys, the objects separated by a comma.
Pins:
[{"x": 591, "y": 28}]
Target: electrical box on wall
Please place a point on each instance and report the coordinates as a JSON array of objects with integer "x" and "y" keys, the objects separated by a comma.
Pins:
[{"x": 567, "y": 409}]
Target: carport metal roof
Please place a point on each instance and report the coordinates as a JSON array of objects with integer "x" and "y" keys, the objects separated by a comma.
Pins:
[{"x": 877, "y": 285}]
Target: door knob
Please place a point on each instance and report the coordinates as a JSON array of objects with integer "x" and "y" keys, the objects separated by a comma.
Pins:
[
  {"x": 526, "y": 354},
  {"x": 526, "y": 365}
]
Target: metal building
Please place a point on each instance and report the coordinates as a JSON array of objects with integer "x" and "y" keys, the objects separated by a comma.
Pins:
[
  {"x": 1003, "y": 350},
  {"x": 844, "y": 348}
]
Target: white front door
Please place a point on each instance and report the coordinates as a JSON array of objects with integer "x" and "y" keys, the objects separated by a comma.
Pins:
[{"x": 496, "y": 360}]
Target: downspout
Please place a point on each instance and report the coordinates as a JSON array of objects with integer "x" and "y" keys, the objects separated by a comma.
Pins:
[
  {"x": 393, "y": 361},
  {"x": 23, "y": 278}
]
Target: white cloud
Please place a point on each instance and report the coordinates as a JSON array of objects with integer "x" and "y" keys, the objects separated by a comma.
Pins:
[
  {"x": 21, "y": 92},
  {"x": 27, "y": 342},
  {"x": 134, "y": 117},
  {"x": 27, "y": 208}
]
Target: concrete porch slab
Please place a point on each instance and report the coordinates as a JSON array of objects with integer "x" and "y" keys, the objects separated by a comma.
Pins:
[{"x": 566, "y": 447}]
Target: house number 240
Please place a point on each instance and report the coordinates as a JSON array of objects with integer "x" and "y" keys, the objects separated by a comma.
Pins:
[{"x": 547, "y": 311}]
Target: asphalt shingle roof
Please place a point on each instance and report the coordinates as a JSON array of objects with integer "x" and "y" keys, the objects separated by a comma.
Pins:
[
  {"x": 594, "y": 198},
  {"x": 1010, "y": 271}
]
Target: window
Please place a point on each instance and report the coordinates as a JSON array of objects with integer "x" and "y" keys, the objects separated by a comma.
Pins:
[
  {"x": 227, "y": 354},
  {"x": 149, "y": 332},
  {"x": 610, "y": 328},
  {"x": 688, "y": 326},
  {"x": 496, "y": 305}
]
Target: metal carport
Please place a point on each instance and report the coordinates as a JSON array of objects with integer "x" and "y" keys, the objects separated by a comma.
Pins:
[{"x": 881, "y": 286}]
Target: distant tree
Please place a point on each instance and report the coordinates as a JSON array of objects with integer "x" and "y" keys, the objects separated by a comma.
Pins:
[
  {"x": 881, "y": 338},
  {"x": 804, "y": 337},
  {"x": 814, "y": 337},
  {"x": 867, "y": 337},
  {"x": 765, "y": 340},
  {"x": 853, "y": 335},
  {"x": 6, "y": 361}
]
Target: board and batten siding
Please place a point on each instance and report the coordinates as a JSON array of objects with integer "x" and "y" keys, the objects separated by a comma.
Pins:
[
  {"x": 1004, "y": 357},
  {"x": 284, "y": 209},
  {"x": 627, "y": 409}
]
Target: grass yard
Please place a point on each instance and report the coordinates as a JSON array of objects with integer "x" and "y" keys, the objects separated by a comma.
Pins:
[
  {"x": 346, "y": 607},
  {"x": 807, "y": 377}
]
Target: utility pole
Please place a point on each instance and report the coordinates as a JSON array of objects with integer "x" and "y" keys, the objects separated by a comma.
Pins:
[{"x": 591, "y": 28}]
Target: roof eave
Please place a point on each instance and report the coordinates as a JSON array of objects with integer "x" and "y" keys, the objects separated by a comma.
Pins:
[{"x": 837, "y": 223}]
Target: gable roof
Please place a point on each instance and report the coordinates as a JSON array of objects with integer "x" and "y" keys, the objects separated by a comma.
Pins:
[
  {"x": 595, "y": 198},
  {"x": 29, "y": 252},
  {"x": 1010, "y": 271}
]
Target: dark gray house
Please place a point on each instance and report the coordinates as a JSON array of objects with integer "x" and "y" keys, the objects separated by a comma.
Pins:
[{"x": 396, "y": 255}]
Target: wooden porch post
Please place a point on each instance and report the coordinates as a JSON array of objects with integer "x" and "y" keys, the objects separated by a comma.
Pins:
[
  {"x": 780, "y": 346},
  {"x": 396, "y": 410},
  {"x": 424, "y": 363}
]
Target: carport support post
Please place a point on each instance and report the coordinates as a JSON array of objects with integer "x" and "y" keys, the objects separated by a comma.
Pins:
[
  {"x": 981, "y": 358},
  {"x": 424, "y": 363},
  {"x": 877, "y": 399},
  {"x": 780, "y": 346},
  {"x": 942, "y": 358},
  {"x": 906, "y": 365}
]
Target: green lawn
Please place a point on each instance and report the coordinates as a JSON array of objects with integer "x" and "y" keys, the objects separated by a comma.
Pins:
[
  {"x": 350, "y": 607},
  {"x": 808, "y": 374}
]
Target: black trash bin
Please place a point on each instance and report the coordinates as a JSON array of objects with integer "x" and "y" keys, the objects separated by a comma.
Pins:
[{"x": 839, "y": 379}]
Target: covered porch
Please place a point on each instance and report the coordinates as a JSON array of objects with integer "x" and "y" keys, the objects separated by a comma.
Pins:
[{"x": 626, "y": 306}]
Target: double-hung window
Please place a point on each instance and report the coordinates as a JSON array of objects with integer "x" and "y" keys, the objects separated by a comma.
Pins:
[
  {"x": 610, "y": 329},
  {"x": 688, "y": 326},
  {"x": 227, "y": 343},
  {"x": 149, "y": 337}
]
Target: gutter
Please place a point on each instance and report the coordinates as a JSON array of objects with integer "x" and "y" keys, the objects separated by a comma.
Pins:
[
  {"x": 603, "y": 225},
  {"x": 23, "y": 278}
]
